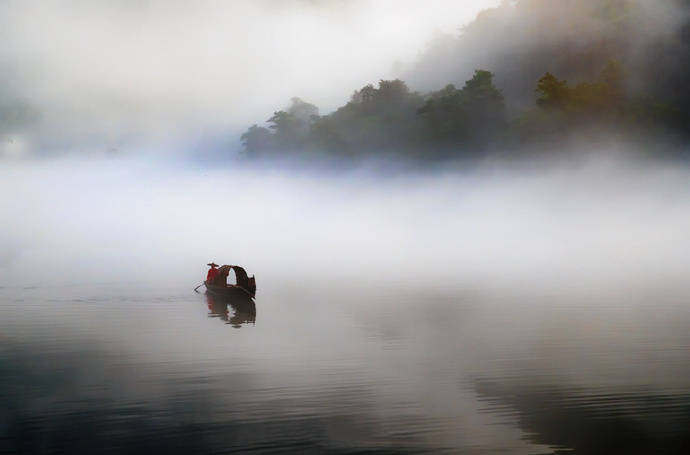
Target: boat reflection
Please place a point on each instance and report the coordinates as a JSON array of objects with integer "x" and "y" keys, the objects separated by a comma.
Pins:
[{"x": 243, "y": 310}]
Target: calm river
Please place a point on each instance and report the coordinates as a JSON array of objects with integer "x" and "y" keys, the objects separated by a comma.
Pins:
[{"x": 132, "y": 369}]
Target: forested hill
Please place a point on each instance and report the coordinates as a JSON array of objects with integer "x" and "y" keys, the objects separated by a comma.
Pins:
[{"x": 526, "y": 72}]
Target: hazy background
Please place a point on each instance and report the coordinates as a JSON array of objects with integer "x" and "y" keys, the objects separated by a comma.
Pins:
[
  {"x": 98, "y": 77},
  {"x": 571, "y": 39},
  {"x": 598, "y": 225},
  {"x": 170, "y": 78}
]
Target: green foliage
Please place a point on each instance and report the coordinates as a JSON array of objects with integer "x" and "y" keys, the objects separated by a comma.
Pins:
[
  {"x": 292, "y": 126},
  {"x": 552, "y": 93},
  {"x": 470, "y": 115},
  {"x": 605, "y": 96},
  {"x": 302, "y": 110},
  {"x": 603, "y": 105},
  {"x": 444, "y": 114},
  {"x": 392, "y": 119},
  {"x": 615, "y": 85},
  {"x": 484, "y": 105},
  {"x": 256, "y": 139},
  {"x": 288, "y": 129},
  {"x": 379, "y": 119}
]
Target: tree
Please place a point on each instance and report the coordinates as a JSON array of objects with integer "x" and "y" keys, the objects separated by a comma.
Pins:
[
  {"x": 483, "y": 102},
  {"x": 256, "y": 139},
  {"x": 287, "y": 128},
  {"x": 604, "y": 96},
  {"x": 376, "y": 118},
  {"x": 292, "y": 126},
  {"x": 392, "y": 92},
  {"x": 302, "y": 110},
  {"x": 444, "y": 115},
  {"x": 471, "y": 115},
  {"x": 363, "y": 96},
  {"x": 552, "y": 93}
]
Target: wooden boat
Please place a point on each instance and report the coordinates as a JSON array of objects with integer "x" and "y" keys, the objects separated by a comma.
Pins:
[
  {"x": 245, "y": 287},
  {"x": 230, "y": 291}
]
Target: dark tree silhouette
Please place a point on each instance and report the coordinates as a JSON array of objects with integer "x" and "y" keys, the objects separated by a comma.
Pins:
[
  {"x": 470, "y": 115},
  {"x": 552, "y": 93},
  {"x": 257, "y": 139}
]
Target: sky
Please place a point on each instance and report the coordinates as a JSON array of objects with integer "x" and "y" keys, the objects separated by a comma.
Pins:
[{"x": 113, "y": 72}]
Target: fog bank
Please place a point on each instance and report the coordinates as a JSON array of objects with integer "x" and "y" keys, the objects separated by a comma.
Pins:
[{"x": 601, "y": 225}]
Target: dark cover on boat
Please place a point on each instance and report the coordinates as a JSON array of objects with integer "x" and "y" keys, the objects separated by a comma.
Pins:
[
  {"x": 252, "y": 286},
  {"x": 243, "y": 281},
  {"x": 241, "y": 276}
]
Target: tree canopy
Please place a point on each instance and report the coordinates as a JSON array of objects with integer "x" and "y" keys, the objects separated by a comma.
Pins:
[{"x": 567, "y": 67}]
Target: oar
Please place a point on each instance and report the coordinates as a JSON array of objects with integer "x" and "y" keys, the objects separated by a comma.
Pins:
[{"x": 195, "y": 289}]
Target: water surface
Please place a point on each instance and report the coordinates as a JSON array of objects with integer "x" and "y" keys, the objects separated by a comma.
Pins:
[{"x": 124, "y": 368}]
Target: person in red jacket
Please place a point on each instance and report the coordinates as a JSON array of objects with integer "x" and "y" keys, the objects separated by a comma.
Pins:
[{"x": 212, "y": 272}]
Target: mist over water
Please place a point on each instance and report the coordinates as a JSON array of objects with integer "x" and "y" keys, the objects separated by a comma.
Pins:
[
  {"x": 604, "y": 222},
  {"x": 471, "y": 268},
  {"x": 466, "y": 309}
]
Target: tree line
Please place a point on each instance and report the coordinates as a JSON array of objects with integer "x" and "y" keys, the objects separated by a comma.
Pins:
[
  {"x": 548, "y": 71},
  {"x": 455, "y": 122}
]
